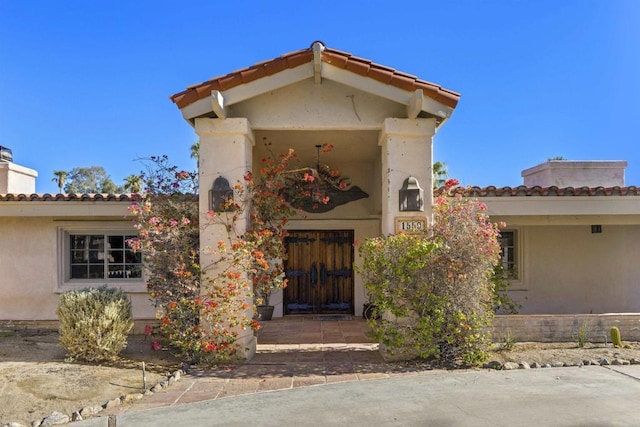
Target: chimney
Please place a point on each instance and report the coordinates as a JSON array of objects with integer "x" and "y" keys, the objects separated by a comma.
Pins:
[
  {"x": 576, "y": 173},
  {"x": 15, "y": 179}
]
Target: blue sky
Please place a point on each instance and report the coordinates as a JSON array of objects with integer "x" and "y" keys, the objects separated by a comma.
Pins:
[{"x": 86, "y": 83}]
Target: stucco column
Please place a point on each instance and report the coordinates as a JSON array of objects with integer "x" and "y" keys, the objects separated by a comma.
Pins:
[
  {"x": 226, "y": 147},
  {"x": 407, "y": 150}
]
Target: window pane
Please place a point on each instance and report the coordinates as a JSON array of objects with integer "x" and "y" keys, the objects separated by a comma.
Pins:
[
  {"x": 116, "y": 242},
  {"x": 509, "y": 258},
  {"x": 91, "y": 258},
  {"x": 134, "y": 271},
  {"x": 79, "y": 272},
  {"x": 96, "y": 271}
]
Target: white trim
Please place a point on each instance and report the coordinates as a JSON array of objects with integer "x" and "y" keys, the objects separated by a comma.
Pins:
[
  {"x": 383, "y": 90},
  {"x": 518, "y": 284},
  {"x": 64, "y": 283},
  {"x": 562, "y": 205}
]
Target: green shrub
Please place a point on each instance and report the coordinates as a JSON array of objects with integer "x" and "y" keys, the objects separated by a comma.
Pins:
[
  {"x": 435, "y": 290},
  {"x": 94, "y": 322},
  {"x": 583, "y": 334}
]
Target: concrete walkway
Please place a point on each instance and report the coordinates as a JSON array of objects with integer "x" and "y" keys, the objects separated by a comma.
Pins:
[{"x": 306, "y": 372}]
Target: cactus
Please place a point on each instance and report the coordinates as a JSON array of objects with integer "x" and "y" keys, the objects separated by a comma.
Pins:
[{"x": 615, "y": 337}]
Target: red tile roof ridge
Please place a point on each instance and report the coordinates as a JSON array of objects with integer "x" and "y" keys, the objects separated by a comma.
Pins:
[
  {"x": 49, "y": 197},
  {"x": 335, "y": 57},
  {"x": 524, "y": 191}
]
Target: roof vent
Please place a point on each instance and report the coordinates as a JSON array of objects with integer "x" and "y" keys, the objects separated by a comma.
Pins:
[{"x": 6, "y": 154}]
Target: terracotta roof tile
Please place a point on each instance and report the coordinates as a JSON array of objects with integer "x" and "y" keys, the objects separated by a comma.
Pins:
[
  {"x": 490, "y": 191},
  {"x": 337, "y": 58},
  {"x": 537, "y": 191},
  {"x": 47, "y": 197}
]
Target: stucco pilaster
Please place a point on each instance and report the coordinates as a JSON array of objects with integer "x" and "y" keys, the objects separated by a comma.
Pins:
[
  {"x": 226, "y": 147},
  {"x": 407, "y": 150}
]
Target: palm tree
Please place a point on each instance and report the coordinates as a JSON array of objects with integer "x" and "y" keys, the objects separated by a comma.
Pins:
[
  {"x": 440, "y": 174},
  {"x": 133, "y": 183},
  {"x": 60, "y": 178}
]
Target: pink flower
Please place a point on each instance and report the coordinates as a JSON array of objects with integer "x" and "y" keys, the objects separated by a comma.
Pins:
[
  {"x": 173, "y": 223},
  {"x": 308, "y": 177},
  {"x": 148, "y": 330},
  {"x": 450, "y": 183},
  {"x": 156, "y": 345}
]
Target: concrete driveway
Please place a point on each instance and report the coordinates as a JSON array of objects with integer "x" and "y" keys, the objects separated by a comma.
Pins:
[{"x": 571, "y": 396}]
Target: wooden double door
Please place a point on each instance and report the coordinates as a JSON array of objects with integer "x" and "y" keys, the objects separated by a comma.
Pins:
[{"x": 319, "y": 269}]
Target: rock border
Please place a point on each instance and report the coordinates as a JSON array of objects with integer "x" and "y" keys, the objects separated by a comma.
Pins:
[
  {"x": 58, "y": 418},
  {"x": 507, "y": 366}
]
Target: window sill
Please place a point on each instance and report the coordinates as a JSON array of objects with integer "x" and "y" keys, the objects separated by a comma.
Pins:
[{"x": 137, "y": 287}]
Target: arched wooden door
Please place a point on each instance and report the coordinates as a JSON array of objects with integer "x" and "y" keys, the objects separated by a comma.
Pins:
[{"x": 319, "y": 270}]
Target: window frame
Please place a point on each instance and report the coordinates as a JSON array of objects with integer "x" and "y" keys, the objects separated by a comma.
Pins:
[
  {"x": 516, "y": 282},
  {"x": 65, "y": 282}
]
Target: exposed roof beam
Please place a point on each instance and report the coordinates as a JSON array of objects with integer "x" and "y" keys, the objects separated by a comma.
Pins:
[
  {"x": 317, "y": 62},
  {"x": 217, "y": 102},
  {"x": 415, "y": 104}
]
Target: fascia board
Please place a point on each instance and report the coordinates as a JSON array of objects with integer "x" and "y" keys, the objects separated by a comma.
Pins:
[
  {"x": 251, "y": 90},
  {"x": 562, "y": 205},
  {"x": 64, "y": 209},
  {"x": 392, "y": 93}
]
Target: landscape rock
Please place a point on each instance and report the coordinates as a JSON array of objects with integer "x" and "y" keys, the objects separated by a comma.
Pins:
[
  {"x": 493, "y": 364},
  {"x": 535, "y": 365},
  {"x": 111, "y": 403},
  {"x": 87, "y": 411},
  {"x": 510, "y": 365},
  {"x": 604, "y": 362},
  {"x": 177, "y": 375},
  {"x": 55, "y": 418},
  {"x": 128, "y": 398},
  {"x": 76, "y": 416},
  {"x": 557, "y": 364},
  {"x": 524, "y": 365},
  {"x": 634, "y": 361}
]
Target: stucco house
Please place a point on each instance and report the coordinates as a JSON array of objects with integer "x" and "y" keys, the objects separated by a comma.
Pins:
[{"x": 573, "y": 228}]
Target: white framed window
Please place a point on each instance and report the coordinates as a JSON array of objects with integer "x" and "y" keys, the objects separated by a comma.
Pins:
[
  {"x": 98, "y": 255},
  {"x": 510, "y": 254}
]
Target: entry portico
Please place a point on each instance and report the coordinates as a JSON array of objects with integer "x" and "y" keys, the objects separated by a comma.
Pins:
[{"x": 380, "y": 122}]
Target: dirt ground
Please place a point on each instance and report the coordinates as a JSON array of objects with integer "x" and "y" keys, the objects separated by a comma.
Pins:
[{"x": 35, "y": 379}]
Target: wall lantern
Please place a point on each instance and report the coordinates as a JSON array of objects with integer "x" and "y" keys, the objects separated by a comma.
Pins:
[
  {"x": 220, "y": 194},
  {"x": 411, "y": 196}
]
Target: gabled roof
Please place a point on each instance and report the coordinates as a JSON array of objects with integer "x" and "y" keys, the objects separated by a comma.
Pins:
[{"x": 336, "y": 58}]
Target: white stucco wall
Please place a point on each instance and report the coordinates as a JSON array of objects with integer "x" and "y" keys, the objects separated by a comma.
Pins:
[
  {"x": 567, "y": 269},
  {"x": 29, "y": 279},
  {"x": 566, "y": 173},
  {"x": 17, "y": 179}
]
